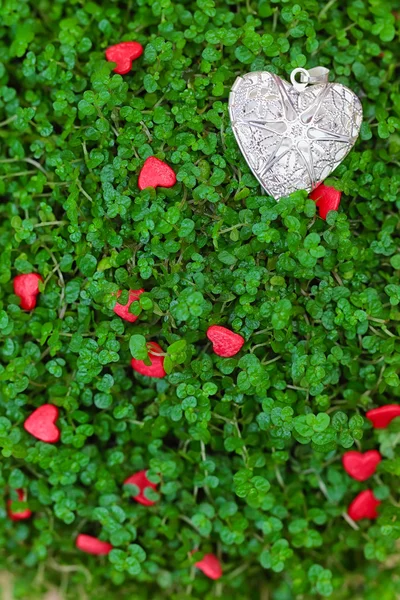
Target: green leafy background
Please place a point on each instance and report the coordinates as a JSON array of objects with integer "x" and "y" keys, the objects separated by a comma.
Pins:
[{"x": 247, "y": 450}]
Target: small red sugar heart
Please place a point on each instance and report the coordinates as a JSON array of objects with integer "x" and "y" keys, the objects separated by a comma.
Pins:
[
  {"x": 156, "y": 173},
  {"x": 27, "y": 288},
  {"x": 122, "y": 310},
  {"x": 156, "y": 369},
  {"x": 140, "y": 480},
  {"x": 41, "y": 424},
  {"x": 23, "y": 514},
  {"x": 326, "y": 198},
  {"x": 210, "y": 566},
  {"x": 361, "y": 466},
  {"x": 92, "y": 545},
  {"x": 382, "y": 416},
  {"x": 364, "y": 506},
  {"x": 225, "y": 342},
  {"x": 123, "y": 54}
]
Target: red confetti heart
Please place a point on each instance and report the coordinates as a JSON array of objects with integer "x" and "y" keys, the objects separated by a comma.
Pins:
[
  {"x": 361, "y": 466},
  {"x": 92, "y": 545},
  {"x": 140, "y": 480},
  {"x": 156, "y": 369},
  {"x": 27, "y": 288},
  {"x": 225, "y": 342},
  {"x": 23, "y": 514},
  {"x": 122, "y": 310},
  {"x": 382, "y": 416},
  {"x": 41, "y": 424},
  {"x": 156, "y": 173},
  {"x": 364, "y": 506},
  {"x": 326, "y": 198},
  {"x": 123, "y": 54},
  {"x": 210, "y": 566}
]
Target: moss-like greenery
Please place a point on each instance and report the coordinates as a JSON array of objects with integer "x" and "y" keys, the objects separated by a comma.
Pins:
[{"x": 247, "y": 450}]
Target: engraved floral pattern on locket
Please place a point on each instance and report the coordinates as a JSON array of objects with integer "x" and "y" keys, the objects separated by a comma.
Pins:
[{"x": 292, "y": 140}]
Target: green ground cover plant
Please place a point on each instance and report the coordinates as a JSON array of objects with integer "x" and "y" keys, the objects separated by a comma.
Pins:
[{"x": 247, "y": 450}]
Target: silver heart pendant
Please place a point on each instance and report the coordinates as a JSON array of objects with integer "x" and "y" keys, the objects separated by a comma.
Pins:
[{"x": 293, "y": 136}]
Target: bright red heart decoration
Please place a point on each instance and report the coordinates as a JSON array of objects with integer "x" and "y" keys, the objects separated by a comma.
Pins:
[
  {"x": 156, "y": 369},
  {"x": 92, "y": 545},
  {"x": 382, "y": 416},
  {"x": 41, "y": 424},
  {"x": 361, "y": 466},
  {"x": 122, "y": 310},
  {"x": 225, "y": 342},
  {"x": 140, "y": 480},
  {"x": 210, "y": 566},
  {"x": 27, "y": 288},
  {"x": 156, "y": 173},
  {"x": 364, "y": 506},
  {"x": 23, "y": 514},
  {"x": 326, "y": 198},
  {"x": 123, "y": 54}
]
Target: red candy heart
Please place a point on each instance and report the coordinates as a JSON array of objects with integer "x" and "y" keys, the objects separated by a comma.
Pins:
[
  {"x": 41, "y": 424},
  {"x": 123, "y": 54},
  {"x": 155, "y": 173},
  {"x": 326, "y": 198},
  {"x": 361, "y": 466},
  {"x": 23, "y": 514},
  {"x": 364, "y": 506},
  {"x": 225, "y": 342},
  {"x": 92, "y": 545},
  {"x": 210, "y": 566},
  {"x": 122, "y": 310},
  {"x": 27, "y": 288},
  {"x": 156, "y": 369},
  {"x": 140, "y": 480},
  {"x": 382, "y": 416}
]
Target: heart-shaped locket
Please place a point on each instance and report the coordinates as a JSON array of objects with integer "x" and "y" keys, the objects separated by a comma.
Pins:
[{"x": 293, "y": 136}]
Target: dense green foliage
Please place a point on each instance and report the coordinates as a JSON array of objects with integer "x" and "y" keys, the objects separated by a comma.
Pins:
[{"x": 247, "y": 450}]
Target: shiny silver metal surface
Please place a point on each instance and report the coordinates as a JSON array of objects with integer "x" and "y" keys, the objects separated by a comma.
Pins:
[{"x": 292, "y": 140}]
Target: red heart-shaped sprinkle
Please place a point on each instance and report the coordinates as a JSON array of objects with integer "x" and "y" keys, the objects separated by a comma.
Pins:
[
  {"x": 140, "y": 480},
  {"x": 382, "y": 416},
  {"x": 361, "y": 466},
  {"x": 326, "y": 198},
  {"x": 156, "y": 368},
  {"x": 23, "y": 514},
  {"x": 122, "y": 310},
  {"x": 123, "y": 54},
  {"x": 27, "y": 288},
  {"x": 92, "y": 545},
  {"x": 41, "y": 424},
  {"x": 210, "y": 566},
  {"x": 225, "y": 342},
  {"x": 156, "y": 173},
  {"x": 364, "y": 506}
]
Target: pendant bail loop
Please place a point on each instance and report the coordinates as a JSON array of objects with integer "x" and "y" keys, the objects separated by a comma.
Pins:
[{"x": 307, "y": 77}]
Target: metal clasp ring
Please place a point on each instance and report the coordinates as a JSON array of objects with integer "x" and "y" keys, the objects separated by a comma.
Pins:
[{"x": 312, "y": 76}]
